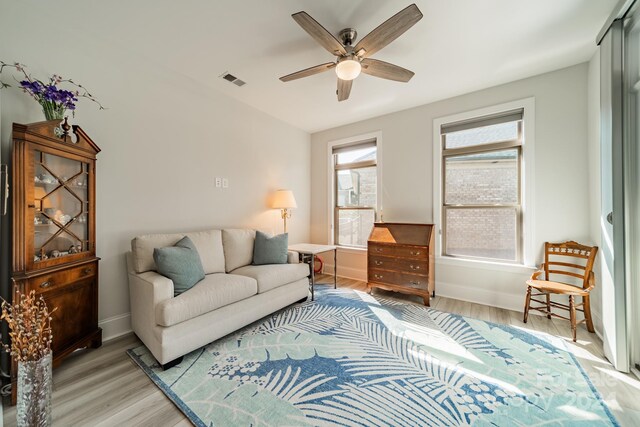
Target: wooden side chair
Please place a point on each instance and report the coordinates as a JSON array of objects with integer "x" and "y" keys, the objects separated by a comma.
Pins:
[{"x": 563, "y": 259}]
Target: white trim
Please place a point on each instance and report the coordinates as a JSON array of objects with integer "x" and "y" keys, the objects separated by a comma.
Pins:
[
  {"x": 115, "y": 326},
  {"x": 485, "y": 265},
  {"x": 350, "y": 250},
  {"x": 330, "y": 173},
  {"x": 487, "y": 297},
  {"x": 346, "y": 272},
  {"x": 528, "y": 221},
  {"x": 597, "y": 322}
]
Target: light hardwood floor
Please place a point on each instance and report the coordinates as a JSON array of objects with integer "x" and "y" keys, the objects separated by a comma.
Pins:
[{"x": 103, "y": 387}]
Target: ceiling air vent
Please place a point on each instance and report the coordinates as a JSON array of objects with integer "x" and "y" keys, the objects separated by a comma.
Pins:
[{"x": 233, "y": 79}]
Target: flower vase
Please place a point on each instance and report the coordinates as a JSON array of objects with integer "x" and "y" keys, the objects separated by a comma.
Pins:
[
  {"x": 34, "y": 392},
  {"x": 52, "y": 111}
]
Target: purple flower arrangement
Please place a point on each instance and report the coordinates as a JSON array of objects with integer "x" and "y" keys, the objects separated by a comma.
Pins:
[{"x": 54, "y": 100}]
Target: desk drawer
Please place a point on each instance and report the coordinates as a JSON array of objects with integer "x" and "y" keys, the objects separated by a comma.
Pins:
[
  {"x": 398, "y": 278},
  {"x": 415, "y": 266},
  {"x": 51, "y": 281},
  {"x": 399, "y": 251}
]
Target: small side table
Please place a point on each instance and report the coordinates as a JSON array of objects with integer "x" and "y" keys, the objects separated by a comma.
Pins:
[{"x": 308, "y": 252}]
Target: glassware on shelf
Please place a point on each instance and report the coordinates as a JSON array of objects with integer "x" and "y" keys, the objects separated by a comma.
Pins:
[{"x": 61, "y": 201}]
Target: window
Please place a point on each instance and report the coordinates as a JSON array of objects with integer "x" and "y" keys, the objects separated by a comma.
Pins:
[
  {"x": 355, "y": 189},
  {"x": 482, "y": 187}
]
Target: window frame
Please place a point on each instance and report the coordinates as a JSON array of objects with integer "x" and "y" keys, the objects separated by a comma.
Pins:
[
  {"x": 333, "y": 168},
  {"x": 525, "y": 257}
]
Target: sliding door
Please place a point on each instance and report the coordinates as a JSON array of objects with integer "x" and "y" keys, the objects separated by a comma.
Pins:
[
  {"x": 632, "y": 177},
  {"x": 612, "y": 220}
]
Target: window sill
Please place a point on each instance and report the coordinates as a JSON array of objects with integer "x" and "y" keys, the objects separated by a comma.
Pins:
[
  {"x": 486, "y": 265},
  {"x": 350, "y": 250}
]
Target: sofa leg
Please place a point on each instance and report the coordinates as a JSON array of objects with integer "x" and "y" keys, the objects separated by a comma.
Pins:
[
  {"x": 171, "y": 363},
  {"x": 300, "y": 301}
]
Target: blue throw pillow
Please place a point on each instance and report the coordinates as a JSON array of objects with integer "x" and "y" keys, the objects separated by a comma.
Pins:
[
  {"x": 180, "y": 263},
  {"x": 270, "y": 250}
]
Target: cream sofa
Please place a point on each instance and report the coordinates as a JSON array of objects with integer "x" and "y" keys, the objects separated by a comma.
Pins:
[{"x": 233, "y": 293}]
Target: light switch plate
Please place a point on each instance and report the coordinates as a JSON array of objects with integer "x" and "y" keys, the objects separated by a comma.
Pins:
[
  {"x": 225, "y": 183},
  {"x": 218, "y": 182}
]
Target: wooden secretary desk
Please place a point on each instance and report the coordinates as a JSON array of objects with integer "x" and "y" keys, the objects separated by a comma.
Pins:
[
  {"x": 54, "y": 230},
  {"x": 400, "y": 258}
]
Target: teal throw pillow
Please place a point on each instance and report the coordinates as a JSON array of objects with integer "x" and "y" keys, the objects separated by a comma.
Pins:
[
  {"x": 180, "y": 263},
  {"x": 270, "y": 250}
]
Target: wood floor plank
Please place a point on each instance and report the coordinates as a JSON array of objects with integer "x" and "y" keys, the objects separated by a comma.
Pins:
[{"x": 103, "y": 387}]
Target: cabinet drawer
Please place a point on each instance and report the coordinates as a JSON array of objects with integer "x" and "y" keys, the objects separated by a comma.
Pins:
[
  {"x": 415, "y": 266},
  {"x": 48, "y": 282},
  {"x": 398, "y": 278},
  {"x": 399, "y": 251}
]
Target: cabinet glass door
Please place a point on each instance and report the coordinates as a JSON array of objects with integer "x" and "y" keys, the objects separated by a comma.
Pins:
[{"x": 61, "y": 201}]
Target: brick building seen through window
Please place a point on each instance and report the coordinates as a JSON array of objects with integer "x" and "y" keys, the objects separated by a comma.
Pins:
[{"x": 482, "y": 209}]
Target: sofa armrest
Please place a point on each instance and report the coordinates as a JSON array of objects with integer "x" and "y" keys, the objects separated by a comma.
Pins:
[
  {"x": 146, "y": 291},
  {"x": 293, "y": 257}
]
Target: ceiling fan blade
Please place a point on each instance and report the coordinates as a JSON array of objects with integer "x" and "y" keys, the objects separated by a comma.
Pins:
[
  {"x": 319, "y": 33},
  {"x": 308, "y": 72},
  {"x": 388, "y": 31},
  {"x": 344, "y": 89},
  {"x": 384, "y": 70}
]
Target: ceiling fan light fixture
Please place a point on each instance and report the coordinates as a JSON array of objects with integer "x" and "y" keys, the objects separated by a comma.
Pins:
[{"x": 348, "y": 69}]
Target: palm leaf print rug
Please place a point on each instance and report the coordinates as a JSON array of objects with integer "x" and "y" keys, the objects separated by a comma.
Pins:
[{"x": 353, "y": 359}]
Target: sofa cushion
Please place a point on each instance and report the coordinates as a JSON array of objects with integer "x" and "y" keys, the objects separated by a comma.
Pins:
[
  {"x": 213, "y": 292},
  {"x": 238, "y": 247},
  {"x": 208, "y": 243},
  {"x": 270, "y": 249},
  {"x": 142, "y": 248},
  {"x": 274, "y": 275},
  {"x": 180, "y": 263}
]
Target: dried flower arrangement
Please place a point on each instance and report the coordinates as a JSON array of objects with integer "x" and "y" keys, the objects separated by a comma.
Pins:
[{"x": 30, "y": 322}]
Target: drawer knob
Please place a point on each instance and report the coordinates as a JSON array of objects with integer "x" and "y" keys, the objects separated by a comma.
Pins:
[
  {"x": 378, "y": 249},
  {"x": 378, "y": 262},
  {"x": 414, "y": 253},
  {"x": 87, "y": 271},
  {"x": 414, "y": 267},
  {"x": 46, "y": 284},
  {"x": 414, "y": 282},
  {"x": 378, "y": 276}
]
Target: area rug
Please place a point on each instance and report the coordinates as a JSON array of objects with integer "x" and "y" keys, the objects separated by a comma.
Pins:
[{"x": 353, "y": 359}]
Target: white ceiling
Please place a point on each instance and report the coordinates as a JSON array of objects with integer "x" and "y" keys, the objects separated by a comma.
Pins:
[{"x": 458, "y": 47}]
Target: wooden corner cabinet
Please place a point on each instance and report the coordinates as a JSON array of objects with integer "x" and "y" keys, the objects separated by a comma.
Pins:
[
  {"x": 54, "y": 230},
  {"x": 400, "y": 258}
]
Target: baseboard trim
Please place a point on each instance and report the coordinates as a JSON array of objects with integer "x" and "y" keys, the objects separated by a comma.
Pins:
[
  {"x": 597, "y": 322},
  {"x": 346, "y": 272},
  {"x": 492, "y": 298},
  {"x": 115, "y": 326}
]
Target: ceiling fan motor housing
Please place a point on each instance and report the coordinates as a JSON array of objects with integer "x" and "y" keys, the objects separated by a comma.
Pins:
[{"x": 348, "y": 36}]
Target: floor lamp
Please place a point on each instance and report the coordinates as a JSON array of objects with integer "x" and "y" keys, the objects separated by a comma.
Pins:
[{"x": 284, "y": 200}]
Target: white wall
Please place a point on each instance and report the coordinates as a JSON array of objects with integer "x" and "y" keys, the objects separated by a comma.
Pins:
[
  {"x": 561, "y": 196},
  {"x": 163, "y": 141}
]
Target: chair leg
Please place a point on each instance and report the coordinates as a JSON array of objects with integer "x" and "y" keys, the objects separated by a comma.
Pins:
[
  {"x": 549, "y": 306},
  {"x": 572, "y": 309},
  {"x": 587, "y": 312},
  {"x": 527, "y": 301}
]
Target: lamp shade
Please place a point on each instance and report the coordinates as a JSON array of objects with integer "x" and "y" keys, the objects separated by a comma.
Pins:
[{"x": 283, "y": 199}]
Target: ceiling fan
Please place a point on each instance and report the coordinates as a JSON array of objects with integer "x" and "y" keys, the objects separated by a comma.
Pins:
[{"x": 355, "y": 59}]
